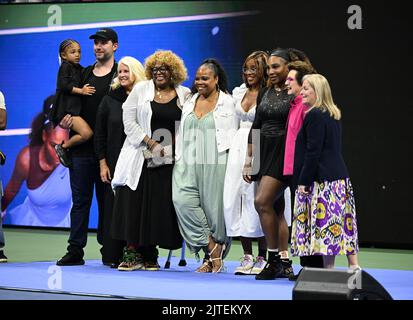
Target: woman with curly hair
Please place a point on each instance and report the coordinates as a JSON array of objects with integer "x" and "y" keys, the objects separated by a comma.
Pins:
[{"x": 144, "y": 215}]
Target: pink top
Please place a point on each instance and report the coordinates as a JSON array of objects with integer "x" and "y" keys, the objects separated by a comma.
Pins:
[{"x": 294, "y": 123}]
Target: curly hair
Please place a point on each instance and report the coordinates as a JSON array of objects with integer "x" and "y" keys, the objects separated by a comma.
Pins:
[
  {"x": 302, "y": 69},
  {"x": 168, "y": 59}
]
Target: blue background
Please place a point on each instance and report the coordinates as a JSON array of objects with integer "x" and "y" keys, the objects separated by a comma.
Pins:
[{"x": 29, "y": 65}]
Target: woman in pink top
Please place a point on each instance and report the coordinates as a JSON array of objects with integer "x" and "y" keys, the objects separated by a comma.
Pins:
[{"x": 298, "y": 69}]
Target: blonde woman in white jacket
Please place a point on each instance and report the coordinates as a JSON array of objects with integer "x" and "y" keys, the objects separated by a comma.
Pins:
[
  {"x": 207, "y": 127},
  {"x": 144, "y": 214}
]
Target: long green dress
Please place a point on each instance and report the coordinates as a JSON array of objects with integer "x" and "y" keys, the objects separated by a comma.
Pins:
[{"x": 198, "y": 185}]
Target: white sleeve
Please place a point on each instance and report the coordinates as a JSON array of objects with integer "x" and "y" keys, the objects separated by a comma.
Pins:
[
  {"x": 133, "y": 130},
  {"x": 2, "y": 101}
]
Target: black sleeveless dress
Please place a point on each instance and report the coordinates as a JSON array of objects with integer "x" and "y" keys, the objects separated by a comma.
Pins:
[
  {"x": 271, "y": 119},
  {"x": 147, "y": 216}
]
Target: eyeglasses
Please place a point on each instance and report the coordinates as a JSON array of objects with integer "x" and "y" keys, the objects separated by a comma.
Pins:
[
  {"x": 249, "y": 70},
  {"x": 162, "y": 70}
]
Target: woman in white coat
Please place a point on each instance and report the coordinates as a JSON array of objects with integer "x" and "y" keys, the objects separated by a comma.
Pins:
[
  {"x": 241, "y": 218},
  {"x": 144, "y": 215}
]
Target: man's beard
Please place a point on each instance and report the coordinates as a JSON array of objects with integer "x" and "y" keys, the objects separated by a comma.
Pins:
[{"x": 106, "y": 57}]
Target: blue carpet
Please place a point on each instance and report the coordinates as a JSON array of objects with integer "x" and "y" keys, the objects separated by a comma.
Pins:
[{"x": 175, "y": 283}]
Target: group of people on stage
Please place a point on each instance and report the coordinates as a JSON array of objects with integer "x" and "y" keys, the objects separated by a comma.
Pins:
[{"x": 171, "y": 163}]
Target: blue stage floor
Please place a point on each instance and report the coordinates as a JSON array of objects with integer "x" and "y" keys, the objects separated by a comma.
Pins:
[{"x": 179, "y": 283}]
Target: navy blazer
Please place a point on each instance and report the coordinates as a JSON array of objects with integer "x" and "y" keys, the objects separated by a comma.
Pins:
[{"x": 318, "y": 150}]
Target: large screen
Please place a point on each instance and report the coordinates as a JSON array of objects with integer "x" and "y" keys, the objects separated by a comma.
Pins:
[
  {"x": 29, "y": 63},
  {"x": 362, "y": 47}
]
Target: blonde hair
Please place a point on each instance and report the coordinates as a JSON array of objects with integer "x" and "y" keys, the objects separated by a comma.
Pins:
[
  {"x": 324, "y": 98},
  {"x": 136, "y": 71},
  {"x": 170, "y": 60}
]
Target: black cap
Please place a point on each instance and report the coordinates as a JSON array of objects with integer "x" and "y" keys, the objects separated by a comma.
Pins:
[{"x": 106, "y": 34}]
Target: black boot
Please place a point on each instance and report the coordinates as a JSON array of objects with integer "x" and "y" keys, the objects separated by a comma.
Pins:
[
  {"x": 272, "y": 270},
  {"x": 287, "y": 268},
  {"x": 294, "y": 277},
  {"x": 3, "y": 257},
  {"x": 71, "y": 259}
]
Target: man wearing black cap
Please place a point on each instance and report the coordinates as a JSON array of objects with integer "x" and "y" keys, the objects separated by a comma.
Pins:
[{"x": 84, "y": 172}]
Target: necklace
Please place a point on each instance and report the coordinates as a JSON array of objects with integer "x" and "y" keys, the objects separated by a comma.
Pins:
[
  {"x": 163, "y": 93},
  {"x": 278, "y": 90}
]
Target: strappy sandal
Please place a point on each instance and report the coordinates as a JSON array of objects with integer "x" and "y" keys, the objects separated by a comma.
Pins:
[
  {"x": 217, "y": 263},
  {"x": 206, "y": 267}
]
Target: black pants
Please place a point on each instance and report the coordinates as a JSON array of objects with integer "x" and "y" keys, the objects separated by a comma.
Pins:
[
  {"x": 149, "y": 253},
  {"x": 112, "y": 249},
  {"x": 84, "y": 178}
]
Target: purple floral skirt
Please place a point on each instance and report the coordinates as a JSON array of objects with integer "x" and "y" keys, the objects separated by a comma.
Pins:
[{"x": 324, "y": 221}]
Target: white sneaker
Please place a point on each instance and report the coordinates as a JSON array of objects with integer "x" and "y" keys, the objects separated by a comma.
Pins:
[
  {"x": 247, "y": 262},
  {"x": 259, "y": 265}
]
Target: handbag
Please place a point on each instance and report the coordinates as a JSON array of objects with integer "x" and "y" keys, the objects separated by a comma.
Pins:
[{"x": 157, "y": 160}]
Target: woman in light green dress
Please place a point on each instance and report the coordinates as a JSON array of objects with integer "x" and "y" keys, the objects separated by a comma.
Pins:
[{"x": 208, "y": 124}]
